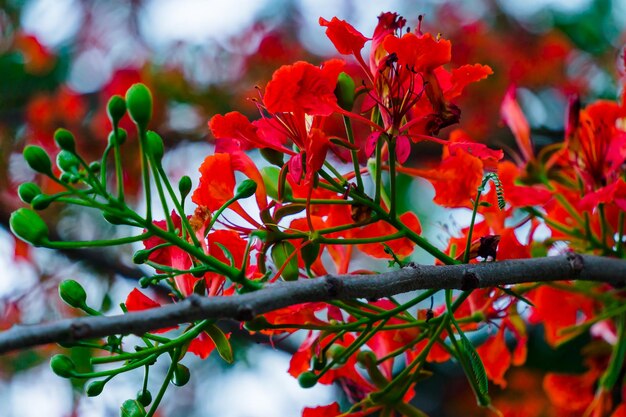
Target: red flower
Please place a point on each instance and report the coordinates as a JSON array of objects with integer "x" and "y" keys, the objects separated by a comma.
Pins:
[{"x": 344, "y": 36}]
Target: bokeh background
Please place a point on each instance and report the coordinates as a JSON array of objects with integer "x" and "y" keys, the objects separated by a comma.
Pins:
[{"x": 60, "y": 61}]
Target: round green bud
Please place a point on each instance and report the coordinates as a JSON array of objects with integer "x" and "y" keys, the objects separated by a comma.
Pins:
[
  {"x": 38, "y": 159},
  {"x": 141, "y": 256},
  {"x": 184, "y": 186},
  {"x": 95, "y": 388},
  {"x": 116, "y": 108},
  {"x": 366, "y": 358},
  {"x": 41, "y": 201},
  {"x": 67, "y": 178},
  {"x": 67, "y": 161},
  {"x": 132, "y": 408},
  {"x": 145, "y": 282},
  {"x": 154, "y": 145},
  {"x": 181, "y": 375},
  {"x": 144, "y": 397},
  {"x": 63, "y": 366},
  {"x": 246, "y": 189},
  {"x": 256, "y": 324},
  {"x": 121, "y": 137},
  {"x": 95, "y": 167},
  {"x": 344, "y": 91},
  {"x": 139, "y": 102},
  {"x": 28, "y": 191},
  {"x": 28, "y": 226},
  {"x": 65, "y": 140},
  {"x": 307, "y": 379},
  {"x": 73, "y": 293}
]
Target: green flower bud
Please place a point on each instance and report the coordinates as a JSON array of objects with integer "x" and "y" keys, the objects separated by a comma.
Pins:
[
  {"x": 68, "y": 178},
  {"x": 28, "y": 191},
  {"x": 65, "y": 140},
  {"x": 132, "y": 408},
  {"x": 122, "y": 135},
  {"x": 273, "y": 156},
  {"x": 366, "y": 358},
  {"x": 307, "y": 379},
  {"x": 67, "y": 161},
  {"x": 319, "y": 363},
  {"x": 38, "y": 159},
  {"x": 181, "y": 375},
  {"x": 145, "y": 282},
  {"x": 344, "y": 91},
  {"x": 63, "y": 366},
  {"x": 28, "y": 226},
  {"x": 246, "y": 189},
  {"x": 41, "y": 202},
  {"x": 116, "y": 108},
  {"x": 144, "y": 397},
  {"x": 139, "y": 102},
  {"x": 184, "y": 186},
  {"x": 141, "y": 256},
  {"x": 73, "y": 293},
  {"x": 95, "y": 167},
  {"x": 154, "y": 145},
  {"x": 95, "y": 388}
]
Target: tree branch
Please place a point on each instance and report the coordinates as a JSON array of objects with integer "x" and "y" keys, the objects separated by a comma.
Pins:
[{"x": 330, "y": 287}]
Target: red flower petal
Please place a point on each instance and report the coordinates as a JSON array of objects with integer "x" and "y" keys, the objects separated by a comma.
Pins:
[
  {"x": 421, "y": 53},
  {"x": 403, "y": 149},
  {"x": 330, "y": 410},
  {"x": 138, "y": 301},
  {"x": 344, "y": 36},
  {"x": 514, "y": 118}
]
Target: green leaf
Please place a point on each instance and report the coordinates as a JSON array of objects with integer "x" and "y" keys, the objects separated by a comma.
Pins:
[
  {"x": 222, "y": 344},
  {"x": 478, "y": 369}
]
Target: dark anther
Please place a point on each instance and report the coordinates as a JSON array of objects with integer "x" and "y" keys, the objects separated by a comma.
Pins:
[
  {"x": 469, "y": 281},
  {"x": 391, "y": 59},
  {"x": 575, "y": 262},
  {"x": 488, "y": 246},
  {"x": 429, "y": 315},
  {"x": 244, "y": 313},
  {"x": 332, "y": 286}
]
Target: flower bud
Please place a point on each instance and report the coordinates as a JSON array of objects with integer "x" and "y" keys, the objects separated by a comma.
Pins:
[
  {"x": 307, "y": 379},
  {"x": 181, "y": 375},
  {"x": 139, "y": 102},
  {"x": 184, "y": 186},
  {"x": 95, "y": 388},
  {"x": 73, "y": 293},
  {"x": 95, "y": 167},
  {"x": 141, "y": 256},
  {"x": 67, "y": 161},
  {"x": 62, "y": 365},
  {"x": 144, "y": 397},
  {"x": 65, "y": 140},
  {"x": 122, "y": 135},
  {"x": 28, "y": 226},
  {"x": 246, "y": 189},
  {"x": 27, "y": 191},
  {"x": 116, "y": 108},
  {"x": 344, "y": 91},
  {"x": 154, "y": 145},
  {"x": 38, "y": 159},
  {"x": 132, "y": 408},
  {"x": 41, "y": 201}
]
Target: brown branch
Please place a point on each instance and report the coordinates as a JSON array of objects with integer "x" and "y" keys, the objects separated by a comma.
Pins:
[{"x": 330, "y": 287}]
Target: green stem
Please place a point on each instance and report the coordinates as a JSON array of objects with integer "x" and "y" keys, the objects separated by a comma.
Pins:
[
  {"x": 353, "y": 153},
  {"x": 161, "y": 393}
]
